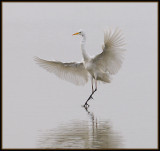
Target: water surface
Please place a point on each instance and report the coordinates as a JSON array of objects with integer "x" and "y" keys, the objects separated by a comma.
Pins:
[{"x": 91, "y": 134}]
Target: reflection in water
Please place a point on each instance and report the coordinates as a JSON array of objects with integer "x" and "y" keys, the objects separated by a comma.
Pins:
[{"x": 81, "y": 134}]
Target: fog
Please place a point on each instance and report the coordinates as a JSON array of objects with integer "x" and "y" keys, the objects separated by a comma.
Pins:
[{"x": 42, "y": 111}]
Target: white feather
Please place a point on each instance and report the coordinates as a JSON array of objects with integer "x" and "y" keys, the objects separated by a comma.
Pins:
[
  {"x": 100, "y": 67},
  {"x": 73, "y": 72},
  {"x": 112, "y": 56}
]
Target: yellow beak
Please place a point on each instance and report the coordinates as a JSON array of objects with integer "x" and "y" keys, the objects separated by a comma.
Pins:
[{"x": 75, "y": 34}]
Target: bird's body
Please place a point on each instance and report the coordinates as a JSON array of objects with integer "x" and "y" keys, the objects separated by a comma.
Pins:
[
  {"x": 90, "y": 67},
  {"x": 95, "y": 72},
  {"x": 99, "y": 67}
]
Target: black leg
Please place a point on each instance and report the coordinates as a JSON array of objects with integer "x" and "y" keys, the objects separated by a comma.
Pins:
[{"x": 90, "y": 97}]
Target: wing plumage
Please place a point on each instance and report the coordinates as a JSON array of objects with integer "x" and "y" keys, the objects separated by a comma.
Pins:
[
  {"x": 110, "y": 60},
  {"x": 72, "y": 72}
]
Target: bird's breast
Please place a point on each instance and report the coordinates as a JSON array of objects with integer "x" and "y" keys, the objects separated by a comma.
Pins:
[{"x": 90, "y": 67}]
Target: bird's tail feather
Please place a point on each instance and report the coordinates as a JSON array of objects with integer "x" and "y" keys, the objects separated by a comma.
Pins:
[{"x": 104, "y": 77}]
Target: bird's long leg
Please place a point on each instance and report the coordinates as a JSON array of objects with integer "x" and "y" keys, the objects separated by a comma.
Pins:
[
  {"x": 90, "y": 97},
  {"x": 92, "y": 84},
  {"x": 95, "y": 85},
  {"x": 92, "y": 87}
]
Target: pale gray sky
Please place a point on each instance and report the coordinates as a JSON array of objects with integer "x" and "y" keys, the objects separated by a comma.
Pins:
[{"x": 32, "y": 96}]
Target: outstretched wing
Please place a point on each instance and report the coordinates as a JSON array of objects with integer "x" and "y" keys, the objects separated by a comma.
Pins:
[
  {"x": 73, "y": 72},
  {"x": 110, "y": 60}
]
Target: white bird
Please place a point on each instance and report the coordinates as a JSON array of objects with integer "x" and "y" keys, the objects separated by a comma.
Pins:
[{"x": 100, "y": 67}]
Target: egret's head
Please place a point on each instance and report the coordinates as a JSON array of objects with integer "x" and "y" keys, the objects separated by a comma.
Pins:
[{"x": 80, "y": 32}]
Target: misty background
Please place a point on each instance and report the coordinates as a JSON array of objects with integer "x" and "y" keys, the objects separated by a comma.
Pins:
[{"x": 35, "y": 100}]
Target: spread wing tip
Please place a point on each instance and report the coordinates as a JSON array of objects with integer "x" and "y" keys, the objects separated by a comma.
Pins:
[{"x": 113, "y": 38}]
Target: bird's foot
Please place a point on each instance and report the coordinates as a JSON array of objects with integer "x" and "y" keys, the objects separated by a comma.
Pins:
[{"x": 86, "y": 105}]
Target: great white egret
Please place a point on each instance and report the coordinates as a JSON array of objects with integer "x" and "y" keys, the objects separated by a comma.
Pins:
[{"x": 100, "y": 67}]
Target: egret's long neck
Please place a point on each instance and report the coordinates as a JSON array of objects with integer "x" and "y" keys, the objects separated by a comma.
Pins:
[{"x": 83, "y": 42}]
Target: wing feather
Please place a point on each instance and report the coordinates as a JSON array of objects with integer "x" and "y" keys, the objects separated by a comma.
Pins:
[
  {"x": 111, "y": 58},
  {"x": 72, "y": 72}
]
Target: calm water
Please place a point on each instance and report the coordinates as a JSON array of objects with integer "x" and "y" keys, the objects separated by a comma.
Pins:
[
  {"x": 49, "y": 123},
  {"x": 91, "y": 133}
]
